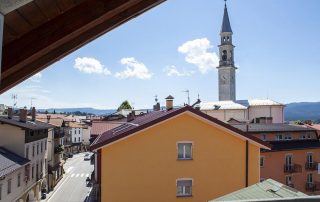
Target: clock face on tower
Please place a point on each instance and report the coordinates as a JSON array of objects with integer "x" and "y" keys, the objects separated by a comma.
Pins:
[{"x": 224, "y": 79}]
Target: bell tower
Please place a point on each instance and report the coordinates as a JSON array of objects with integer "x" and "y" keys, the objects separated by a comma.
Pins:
[{"x": 226, "y": 69}]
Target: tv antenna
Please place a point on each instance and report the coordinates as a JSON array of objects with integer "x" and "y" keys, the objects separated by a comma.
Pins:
[
  {"x": 187, "y": 91},
  {"x": 156, "y": 98},
  {"x": 15, "y": 100}
]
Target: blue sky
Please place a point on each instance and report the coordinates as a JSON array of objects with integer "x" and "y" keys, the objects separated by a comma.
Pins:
[{"x": 173, "y": 47}]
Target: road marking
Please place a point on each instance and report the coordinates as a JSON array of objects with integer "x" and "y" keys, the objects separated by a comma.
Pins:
[
  {"x": 72, "y": 174},
  {"x": 77, "y": 175},
  {"x": 69, "y": 169}
]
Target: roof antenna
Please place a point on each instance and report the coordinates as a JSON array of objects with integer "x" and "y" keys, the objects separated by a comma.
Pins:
[
  {"x": 225, "y": 3},
  {"x": 187, "y": 91},
  {"x": 156, "y": 98}
]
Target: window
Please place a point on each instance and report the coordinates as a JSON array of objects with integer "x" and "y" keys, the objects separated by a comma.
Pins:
[
  {"x": 45, "y": 145},
  {"x": 184, "y": 150},
  {"x": 0, "y": 191},
  {"x": 75, "y": 139},
  {"x": 264, "y": 137},
  {"x": 184, "y": 187},
  {"x": 41, "y": 166},
  {"x": 261, "y": 161},
  {"x": 27, "y": 152},
  {"x": 309, "y": 136},
  {"x": 32, "y": 150},
  {"x": 289, "y": 180},
  {"x": 41, "y": 148},
  {"x": 9, "y": 186},
  {"x": 279, "y": 137},
  {"x": 32, "y": 171},
  {"x": 288, "y": 137},
  {"x": 19, "y": 180},
  {"x": 78, "y": 139},
  {"x": 302, "y": 136},
  {"x": 309, "y": 178},
  {"x": 38, "y": 149}
]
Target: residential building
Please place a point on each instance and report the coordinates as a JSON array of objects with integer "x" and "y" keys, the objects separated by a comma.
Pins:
[
  {"x": 86, "y": 134},
  {"x": 2, "y": 109},
  {"x": 183, "y": 152},
  {"x": 74, "y": 137},
  {"x": 27, "y": 138},
  {"x": 12, "y": 175},
  {"x": 256, "y": 110},
  {"x": 294, "y": 157},
  {"x": 55, "y": 150},
  {"x": 269, "y": 190}
]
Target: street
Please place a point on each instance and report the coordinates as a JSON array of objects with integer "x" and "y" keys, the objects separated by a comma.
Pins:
[{"x": 72, "y": 187}]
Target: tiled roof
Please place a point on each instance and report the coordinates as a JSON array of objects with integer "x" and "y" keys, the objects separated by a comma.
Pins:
[
  {"x": 9, "y": 161},
  {"x": 75, "y": 125},
  {"x": 99, "y": 127},
  {"x": 44, "y": 116},
  {"x": 268, "y": 189},
  {"x": 314, "y": 126},
  {"x": 272, "y": 127},
  {"x": 294, "y": 145},
  {"x": 238, "y": 104},
  {"x": 53, "y": 121},
  {"x": 33, "y": 125},
  {"x": 155, "y": 117}
]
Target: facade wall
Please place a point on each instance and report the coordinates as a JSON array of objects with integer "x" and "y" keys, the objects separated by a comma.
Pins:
[
  {"x": 76, "y": 135},
  {"x": 86, "y": 135},
  {"x": 276, "y": 112},
  {"x": 294, "y": 135},
  {"x": 16, "y": 191},
  {"x": 145, "y": 166},
  {"x": 226, "y": 115},
  {"x": 16, "y": 141},
  {"x": 274, "y": 167}
]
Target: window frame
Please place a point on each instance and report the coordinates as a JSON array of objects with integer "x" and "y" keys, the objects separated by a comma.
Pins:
[
  {"x": 184, "y": 194},
  {"x": 263, "y": 161},
  {"x": 279, "y": 135},
  {"x": 288, "y": 182},
  {"x": 19, "y": 180},
  {"x": 184, "y": 150},
  {"x": 9, "y": 187}
]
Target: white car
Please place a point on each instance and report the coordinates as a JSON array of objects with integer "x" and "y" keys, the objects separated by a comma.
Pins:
[{"x": 87, "y": 157}]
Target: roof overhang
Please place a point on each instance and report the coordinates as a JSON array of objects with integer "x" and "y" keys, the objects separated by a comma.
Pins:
[{"x": 39, "y": 33}]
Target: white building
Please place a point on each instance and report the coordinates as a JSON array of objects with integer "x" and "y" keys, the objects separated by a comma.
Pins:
[
  {"x": 28, "y": 139},
  {"x": 252, "y": 111},
  {"x": 228, "y": 108}
]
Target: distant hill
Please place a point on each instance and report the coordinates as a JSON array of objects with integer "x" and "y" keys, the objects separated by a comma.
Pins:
[
  {"x": 86, "y": 110},
  {"x": 302, "y": 111}
]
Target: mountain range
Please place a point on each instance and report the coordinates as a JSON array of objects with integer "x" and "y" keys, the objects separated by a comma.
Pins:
[{"x": 293, "y": 111}]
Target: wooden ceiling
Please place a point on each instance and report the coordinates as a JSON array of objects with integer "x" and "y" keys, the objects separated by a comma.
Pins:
[{"x": 43, "y": 31}]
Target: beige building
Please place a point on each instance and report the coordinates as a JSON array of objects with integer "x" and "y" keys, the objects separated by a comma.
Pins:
[{"x": 26, "y": 138}]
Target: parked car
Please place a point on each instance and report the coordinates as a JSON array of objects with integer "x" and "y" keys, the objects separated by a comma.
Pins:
[
  {"x": 70, "y": 155},
  {"x": 87, "y": 157}
]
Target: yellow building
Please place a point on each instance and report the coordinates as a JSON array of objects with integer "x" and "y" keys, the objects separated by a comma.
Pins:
[{"x": 175, "y": 155}]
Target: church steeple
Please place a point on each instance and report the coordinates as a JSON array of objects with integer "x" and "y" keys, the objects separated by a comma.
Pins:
[
  {"x": 226, "y": 27},
  {"x": 227, "y": 80}
]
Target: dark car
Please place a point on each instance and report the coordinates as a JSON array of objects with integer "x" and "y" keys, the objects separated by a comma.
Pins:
[{"x": 70, "y": 155}]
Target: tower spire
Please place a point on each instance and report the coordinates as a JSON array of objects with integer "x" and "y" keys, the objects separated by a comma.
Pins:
[{"x": 226, "y": 27}]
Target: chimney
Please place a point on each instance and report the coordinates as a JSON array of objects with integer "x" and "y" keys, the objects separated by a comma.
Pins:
[
  {"x": 130, "y": 116},
  {"x": 156, "y": 107},
  {"x": 23, "y": 115},
  {"x": 10, "y": 112},
  {"x": 33, "y": 114},
  {"x": 48, "y": 118},
  {"x": 169, "y": 102}
]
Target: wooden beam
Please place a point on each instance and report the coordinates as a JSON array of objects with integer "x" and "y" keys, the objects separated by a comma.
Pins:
[{"x": 58, "y": 37}]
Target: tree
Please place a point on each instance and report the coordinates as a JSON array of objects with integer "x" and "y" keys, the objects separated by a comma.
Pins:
[{"x": 124, "y": 105}]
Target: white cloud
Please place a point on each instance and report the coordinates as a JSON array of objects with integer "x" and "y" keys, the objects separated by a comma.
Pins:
[
  {"x": 198, "y": 53},
  {"x": 134, "y": 68},
  {"x": 173, "y": 71},
  {"x": 90, "y": 66},
  {"x": 36, "y": 78}
]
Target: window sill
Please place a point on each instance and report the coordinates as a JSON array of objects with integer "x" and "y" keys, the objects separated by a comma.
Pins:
[
  {"x": 185, "y": 159},
  {"x": 182, "y": 196}
]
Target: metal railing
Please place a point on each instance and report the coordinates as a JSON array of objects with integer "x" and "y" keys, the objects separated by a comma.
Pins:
[
  {"x": 311, "y": 166},
  {"x": 312, "y": 186},
  {"x": 292, "y": 168}
]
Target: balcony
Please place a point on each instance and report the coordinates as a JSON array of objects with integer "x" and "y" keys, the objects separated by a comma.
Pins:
[
  {"x": 312, "y": 186},
  {"x": 292, "y": 168},
  {"x": 311, "y": 166}
]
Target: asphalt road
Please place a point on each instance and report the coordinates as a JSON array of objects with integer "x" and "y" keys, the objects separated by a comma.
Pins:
[{"x": 73, "y": 188}]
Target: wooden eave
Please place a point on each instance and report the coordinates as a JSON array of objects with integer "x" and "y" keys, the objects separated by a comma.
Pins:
[{"x": 41, "y": 32}]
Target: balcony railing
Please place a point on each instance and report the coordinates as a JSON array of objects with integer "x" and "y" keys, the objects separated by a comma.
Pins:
[
  {"x": 311, "y": 166},
  {"x": 312, "y": 186},
  {"x": 292, "y": 168}
]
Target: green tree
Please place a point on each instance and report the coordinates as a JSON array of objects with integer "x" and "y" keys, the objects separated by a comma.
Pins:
[{"x": 124, "y": 105}]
